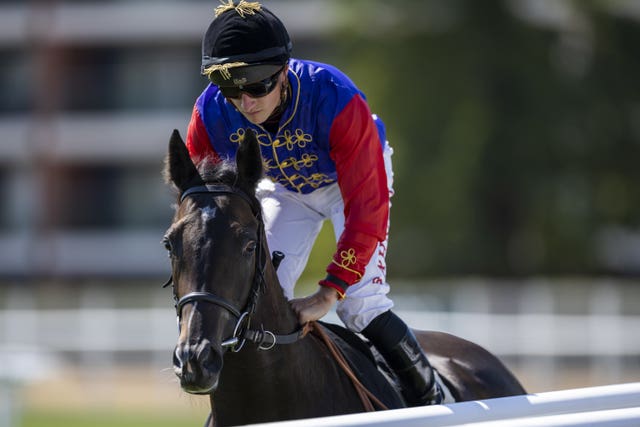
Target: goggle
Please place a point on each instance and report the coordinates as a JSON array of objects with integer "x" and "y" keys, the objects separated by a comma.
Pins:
[{"x": 254, "y": 90}]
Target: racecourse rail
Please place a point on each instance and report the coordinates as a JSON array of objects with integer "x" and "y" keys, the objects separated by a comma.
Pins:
[{"x": 610, "y": 406}]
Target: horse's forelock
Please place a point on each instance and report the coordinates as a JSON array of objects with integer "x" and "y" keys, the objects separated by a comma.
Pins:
[
  {"x": 213, "y": 170},
  {"x": 216, "y": 171}
]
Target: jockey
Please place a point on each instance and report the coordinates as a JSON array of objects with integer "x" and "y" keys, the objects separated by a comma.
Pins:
[{"x": 325, "y": 157}]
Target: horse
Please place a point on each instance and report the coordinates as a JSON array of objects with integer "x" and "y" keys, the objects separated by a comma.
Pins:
[{"x": 232, "y": 312}]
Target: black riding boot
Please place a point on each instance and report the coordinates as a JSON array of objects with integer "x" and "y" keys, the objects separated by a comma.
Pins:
[{"x": 399, "y": 347}]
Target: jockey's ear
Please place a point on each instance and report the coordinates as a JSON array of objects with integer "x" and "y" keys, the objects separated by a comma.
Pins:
[
  {"x": 249, "y": 162},
  {"x": 179, "y": 169}
]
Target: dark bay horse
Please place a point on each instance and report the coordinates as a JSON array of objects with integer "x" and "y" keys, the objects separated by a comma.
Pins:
[{"x": 232, "y": 311}]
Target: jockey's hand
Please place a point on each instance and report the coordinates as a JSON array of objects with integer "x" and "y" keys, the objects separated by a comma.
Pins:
[{"x": 315, "y": 306}]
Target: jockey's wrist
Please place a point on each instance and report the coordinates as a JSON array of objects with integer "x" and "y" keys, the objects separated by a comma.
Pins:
[
  {"x": 329, "y": 295},
  {"x": 340, "y": 286},
  {"x": 348, "y": 276}
]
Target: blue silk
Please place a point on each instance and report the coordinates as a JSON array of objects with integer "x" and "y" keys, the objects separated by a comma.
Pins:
[{"x": 298, "y": 156}]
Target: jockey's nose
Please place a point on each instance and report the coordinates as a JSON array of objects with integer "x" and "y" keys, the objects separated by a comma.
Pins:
[{"x": 247, "y": 102}]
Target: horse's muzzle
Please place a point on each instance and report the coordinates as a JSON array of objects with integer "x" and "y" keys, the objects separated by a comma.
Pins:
[{"x": 197, "y": 366}]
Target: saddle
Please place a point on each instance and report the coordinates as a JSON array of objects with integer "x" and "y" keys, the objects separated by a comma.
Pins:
[{"x": 367, "y": 364}]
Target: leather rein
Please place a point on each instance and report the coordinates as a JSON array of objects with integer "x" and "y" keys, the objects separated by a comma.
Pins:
[{"x": 265, "y": 340}]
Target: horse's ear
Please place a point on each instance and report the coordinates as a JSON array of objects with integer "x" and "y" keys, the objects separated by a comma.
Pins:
[
  {"x": 179, "y": 168},
  {"x": 249, "y": 161}
]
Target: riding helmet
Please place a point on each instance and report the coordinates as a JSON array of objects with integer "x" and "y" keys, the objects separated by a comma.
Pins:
[{"x": 245, "y": 43}]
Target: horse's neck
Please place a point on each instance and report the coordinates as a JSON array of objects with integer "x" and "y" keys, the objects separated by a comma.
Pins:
[
  {"x": 290, "y": 381},
  {"x": 273, "y": 309},
  {"x": 274, "y": 314},
  {"x": 296, "y": 380}
]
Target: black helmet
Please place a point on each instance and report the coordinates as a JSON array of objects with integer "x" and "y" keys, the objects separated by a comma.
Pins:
[{"x": 245, "y": 43}]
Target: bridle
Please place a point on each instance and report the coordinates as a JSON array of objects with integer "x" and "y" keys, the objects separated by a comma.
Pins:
[{"x": 266, "y": 340}]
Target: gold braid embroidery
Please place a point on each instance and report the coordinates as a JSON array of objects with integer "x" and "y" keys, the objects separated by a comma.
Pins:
[
  {"x": 306, "y": 161},
  {"x": 348, "y": 258},
  {"x": 298, "y": 138},
  {"x": 223, "y": 69},
  {"x": 288, "y": 139},
  {"x": 242, "y": 8},
  {"x": 315, "y": 180},
  {"x": 318, "y": 178},
  {"x": 238, "y": 136}
]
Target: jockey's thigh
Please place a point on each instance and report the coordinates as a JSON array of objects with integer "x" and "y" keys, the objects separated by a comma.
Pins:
[{"x": 292, "y": 225}]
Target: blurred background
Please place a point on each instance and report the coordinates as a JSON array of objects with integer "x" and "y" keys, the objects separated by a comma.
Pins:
[{"x": 515, "y": 223}]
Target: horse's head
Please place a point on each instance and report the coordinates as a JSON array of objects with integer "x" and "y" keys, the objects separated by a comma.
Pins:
[{"x": 217, "y": 257}]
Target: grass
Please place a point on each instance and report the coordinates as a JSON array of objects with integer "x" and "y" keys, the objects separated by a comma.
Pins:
[{"x": 88, "y": 418}]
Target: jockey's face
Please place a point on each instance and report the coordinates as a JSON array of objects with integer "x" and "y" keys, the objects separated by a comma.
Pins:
[{"x": 257, "y": 110}]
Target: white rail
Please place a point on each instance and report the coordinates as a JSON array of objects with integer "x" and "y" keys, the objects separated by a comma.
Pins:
[
  {"x": 94, "y": 325},
  {"x": 151, "y": 329},
  {"x": 614, "y": 405},
  {"x": 102, "y": 330}
]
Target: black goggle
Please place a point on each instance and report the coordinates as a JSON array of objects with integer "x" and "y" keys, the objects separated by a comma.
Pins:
[{"x": 254, "y": 90}]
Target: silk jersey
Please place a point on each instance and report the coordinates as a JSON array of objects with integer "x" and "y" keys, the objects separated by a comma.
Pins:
[{"x": 326, "y": 135}]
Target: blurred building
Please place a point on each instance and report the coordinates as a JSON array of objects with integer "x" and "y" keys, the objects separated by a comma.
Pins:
[
  {"x": 90, "y": 94},
  {"x": 90, "y": 91}
]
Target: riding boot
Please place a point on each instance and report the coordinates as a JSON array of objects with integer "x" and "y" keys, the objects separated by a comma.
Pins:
[{"x": 400, "y": 349}]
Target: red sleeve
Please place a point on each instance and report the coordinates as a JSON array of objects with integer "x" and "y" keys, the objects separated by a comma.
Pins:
[
  {"x": 357, "y": 152},
  {"x": 198, "y": 142}
]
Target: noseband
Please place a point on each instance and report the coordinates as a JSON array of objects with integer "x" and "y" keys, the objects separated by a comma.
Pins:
[{"x": 266, "y": 340}]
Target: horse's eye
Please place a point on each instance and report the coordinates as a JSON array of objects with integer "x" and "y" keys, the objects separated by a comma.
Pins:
[
  {"x": 167, "y": 245},
  {"x": 250, "y": 247}
]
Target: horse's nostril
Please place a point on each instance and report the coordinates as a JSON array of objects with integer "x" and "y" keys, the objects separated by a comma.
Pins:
[
  {"x": 204, "y": 352},
  {"x": 195, "y": 357},
  {"x": 197, "y": 366},
  {"x": 181, "y": 357}
]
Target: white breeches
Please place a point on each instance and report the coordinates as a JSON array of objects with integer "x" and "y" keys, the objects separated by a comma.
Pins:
[{"x": 292, "y": 223}]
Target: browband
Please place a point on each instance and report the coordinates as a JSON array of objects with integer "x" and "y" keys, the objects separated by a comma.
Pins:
[{"x": 219, "y": 188}]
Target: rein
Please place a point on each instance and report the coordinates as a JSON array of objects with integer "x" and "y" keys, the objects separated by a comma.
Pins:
[
  {"x": 368, "y": 399},
  {"x": 265, "y": 340}
]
